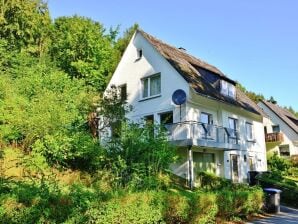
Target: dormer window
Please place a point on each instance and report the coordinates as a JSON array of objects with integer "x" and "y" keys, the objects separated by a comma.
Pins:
[
  {"x": 227, "y": 89},
  {"x": 139, "y": 54}
]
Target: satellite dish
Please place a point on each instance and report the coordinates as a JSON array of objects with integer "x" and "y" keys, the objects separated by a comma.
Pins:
[{"x": 179, "y": 97}]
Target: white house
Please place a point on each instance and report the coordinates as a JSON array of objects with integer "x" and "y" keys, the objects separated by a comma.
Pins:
[
  {"x": 217, "y": 129},
  {"x": 281, "y": 129}
]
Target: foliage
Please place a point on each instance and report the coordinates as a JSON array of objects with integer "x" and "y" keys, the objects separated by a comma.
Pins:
[
  {"x": 70, "y": 150},
  {"x": 25, "y": 25},
  {"x": 138, "y": 156},
  {"x": 278, "y": 166},
  {"x": 82, "y": 49},
  {"x": 289, "y": 188},
  {"x": 210, "y": 181},
  {"x": 123, "y": 41},
  {"x": 256, "y": 97},
  {"x": 132, "y": 208},
  {"x": 204, "y": 207},
  {"x": 239, "y": 202}
]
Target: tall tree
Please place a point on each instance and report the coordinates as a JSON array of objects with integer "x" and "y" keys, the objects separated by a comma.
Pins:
[
  {"x": 82, "y": 48},
  {"x": 25, "y": 24},
  {"x": 124, "y": 41}
]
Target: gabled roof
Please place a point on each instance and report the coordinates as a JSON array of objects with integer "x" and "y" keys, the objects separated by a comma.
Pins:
[
  {"x": 188, "y": 66},
  {"x": 290, "y": 119}
]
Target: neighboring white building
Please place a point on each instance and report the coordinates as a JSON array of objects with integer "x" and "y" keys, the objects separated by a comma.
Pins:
[
  {"x": 218, "y": 129},
  {"x": 281, "y": 129}
]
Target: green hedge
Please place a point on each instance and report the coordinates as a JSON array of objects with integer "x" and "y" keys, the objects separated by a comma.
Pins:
[{"x": 47, "y": 202}]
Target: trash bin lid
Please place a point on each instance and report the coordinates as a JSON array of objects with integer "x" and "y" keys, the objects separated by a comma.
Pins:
[{"x": 272, "y": 190}]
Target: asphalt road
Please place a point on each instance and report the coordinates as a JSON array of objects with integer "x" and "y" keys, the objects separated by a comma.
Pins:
[{"x": 286, "y": 215}]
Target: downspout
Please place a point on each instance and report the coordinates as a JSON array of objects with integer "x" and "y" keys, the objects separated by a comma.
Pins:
[{"x": 190, "y": 168}]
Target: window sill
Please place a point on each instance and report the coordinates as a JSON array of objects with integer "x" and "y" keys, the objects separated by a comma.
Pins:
[{"x": 150, "y": 97}]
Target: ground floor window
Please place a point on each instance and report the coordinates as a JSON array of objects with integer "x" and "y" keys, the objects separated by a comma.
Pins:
[
  {"x": 251, "y": 163},
  {"x": 284, "y": 150}
]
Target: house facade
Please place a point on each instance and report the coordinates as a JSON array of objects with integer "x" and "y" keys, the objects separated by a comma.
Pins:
[
  {"x": 217, "y": 128},
  {"x": 281, "y": 130}
]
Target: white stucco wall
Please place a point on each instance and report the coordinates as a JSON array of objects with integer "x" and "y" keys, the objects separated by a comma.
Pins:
[{"x": 130, "y": 72}]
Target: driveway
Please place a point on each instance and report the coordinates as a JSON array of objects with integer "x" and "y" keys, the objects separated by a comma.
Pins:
[{"x": 286, "y": 215}]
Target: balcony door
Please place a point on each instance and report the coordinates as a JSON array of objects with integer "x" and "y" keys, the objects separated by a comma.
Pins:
[
  {"x": 206, "y": 121},
  {"x": 235, "y": 168}
]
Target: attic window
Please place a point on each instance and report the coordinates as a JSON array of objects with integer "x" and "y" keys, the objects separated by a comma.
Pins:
[
  {"x": 227, "y": 89},
  {"x": 139, "y": 54}
]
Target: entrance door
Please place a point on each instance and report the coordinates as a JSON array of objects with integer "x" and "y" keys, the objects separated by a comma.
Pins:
[{"x": 235, "y": 168}]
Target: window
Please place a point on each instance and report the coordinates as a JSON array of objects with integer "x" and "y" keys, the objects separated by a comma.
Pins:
[
  {"x": 275, "y": 128},
  {"x": 166, "y": 118},
  {"x": 251, "y": 163},
  {"x": 206, "y": 118},
  {"x": 123, "y": 92},
  {"x": 228, "y": 89},
  {"x": 284, "y": 150},
  {"x": 232, "y": 130},
  {"x": 233, "y": 123},
  {"x": 139, "y": 54},
  {"x": 249, "y": 131},
  {"x": 151, "y": 86},
  {"x": 149, "y": 120}
]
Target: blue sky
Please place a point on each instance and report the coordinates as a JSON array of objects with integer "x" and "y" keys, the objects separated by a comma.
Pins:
[{"x": 254, "y": 42}]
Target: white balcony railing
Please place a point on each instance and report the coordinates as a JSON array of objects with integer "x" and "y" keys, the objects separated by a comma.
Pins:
[{"x": 200, "y": 131}]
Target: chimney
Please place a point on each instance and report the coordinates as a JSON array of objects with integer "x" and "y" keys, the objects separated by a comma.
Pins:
[{"x": 182, "y": 49}]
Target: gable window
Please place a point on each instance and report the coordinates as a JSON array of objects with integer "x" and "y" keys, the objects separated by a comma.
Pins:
[
  {"x": 249, "y": 131},
  {"x": 275, "y": 128},
  {"x": 227, "y": 89},
  {"x": 151, "y": 86},
  {"x": 123, "y": 92},
  {"x": 139, "y": 54}
]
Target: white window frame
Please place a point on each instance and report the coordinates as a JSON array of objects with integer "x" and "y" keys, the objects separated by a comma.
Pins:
[
  {"x": 149, "y": 86},
  {"x": 227, "y": 89},
  {"x": 248, "y": 137}
]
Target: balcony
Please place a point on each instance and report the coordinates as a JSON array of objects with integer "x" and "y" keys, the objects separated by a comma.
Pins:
[
  {"x": 192, "y": 133},
  {"x": 274, "y": 137}
]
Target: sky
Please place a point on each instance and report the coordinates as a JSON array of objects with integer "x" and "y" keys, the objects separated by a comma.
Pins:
[{"x": 254, "y": 42}]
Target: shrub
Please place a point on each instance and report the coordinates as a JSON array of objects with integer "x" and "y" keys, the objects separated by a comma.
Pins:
[
  {"x": 205, "y": 208},
  {"x": 239, "y": 202},
  {"x": 177, "y": 208},
  {"x": 209, "y": 181},
  {"x": 135, "y": 208}
]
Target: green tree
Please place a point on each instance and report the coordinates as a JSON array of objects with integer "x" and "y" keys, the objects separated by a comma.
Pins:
[
  {"x": 25, "y": 24},
  {"x": 81, "y": 48},
  {"x": 123, "y": 41},
  {"x": 256, "y": 97}
]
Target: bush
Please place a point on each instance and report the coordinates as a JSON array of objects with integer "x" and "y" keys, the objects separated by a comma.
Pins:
[
  {"x": 134, "y": 208},
  {"x": 209, "y": 181},
  {"x": 177, "y": 208},
  {"x": 239, "y": 202},
  {"x": 205, "y": 208}
]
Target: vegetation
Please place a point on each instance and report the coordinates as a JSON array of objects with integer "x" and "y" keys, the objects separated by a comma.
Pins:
[
  {"x": 284, "y": 176},
  {"x": 52, "y": 167}
]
